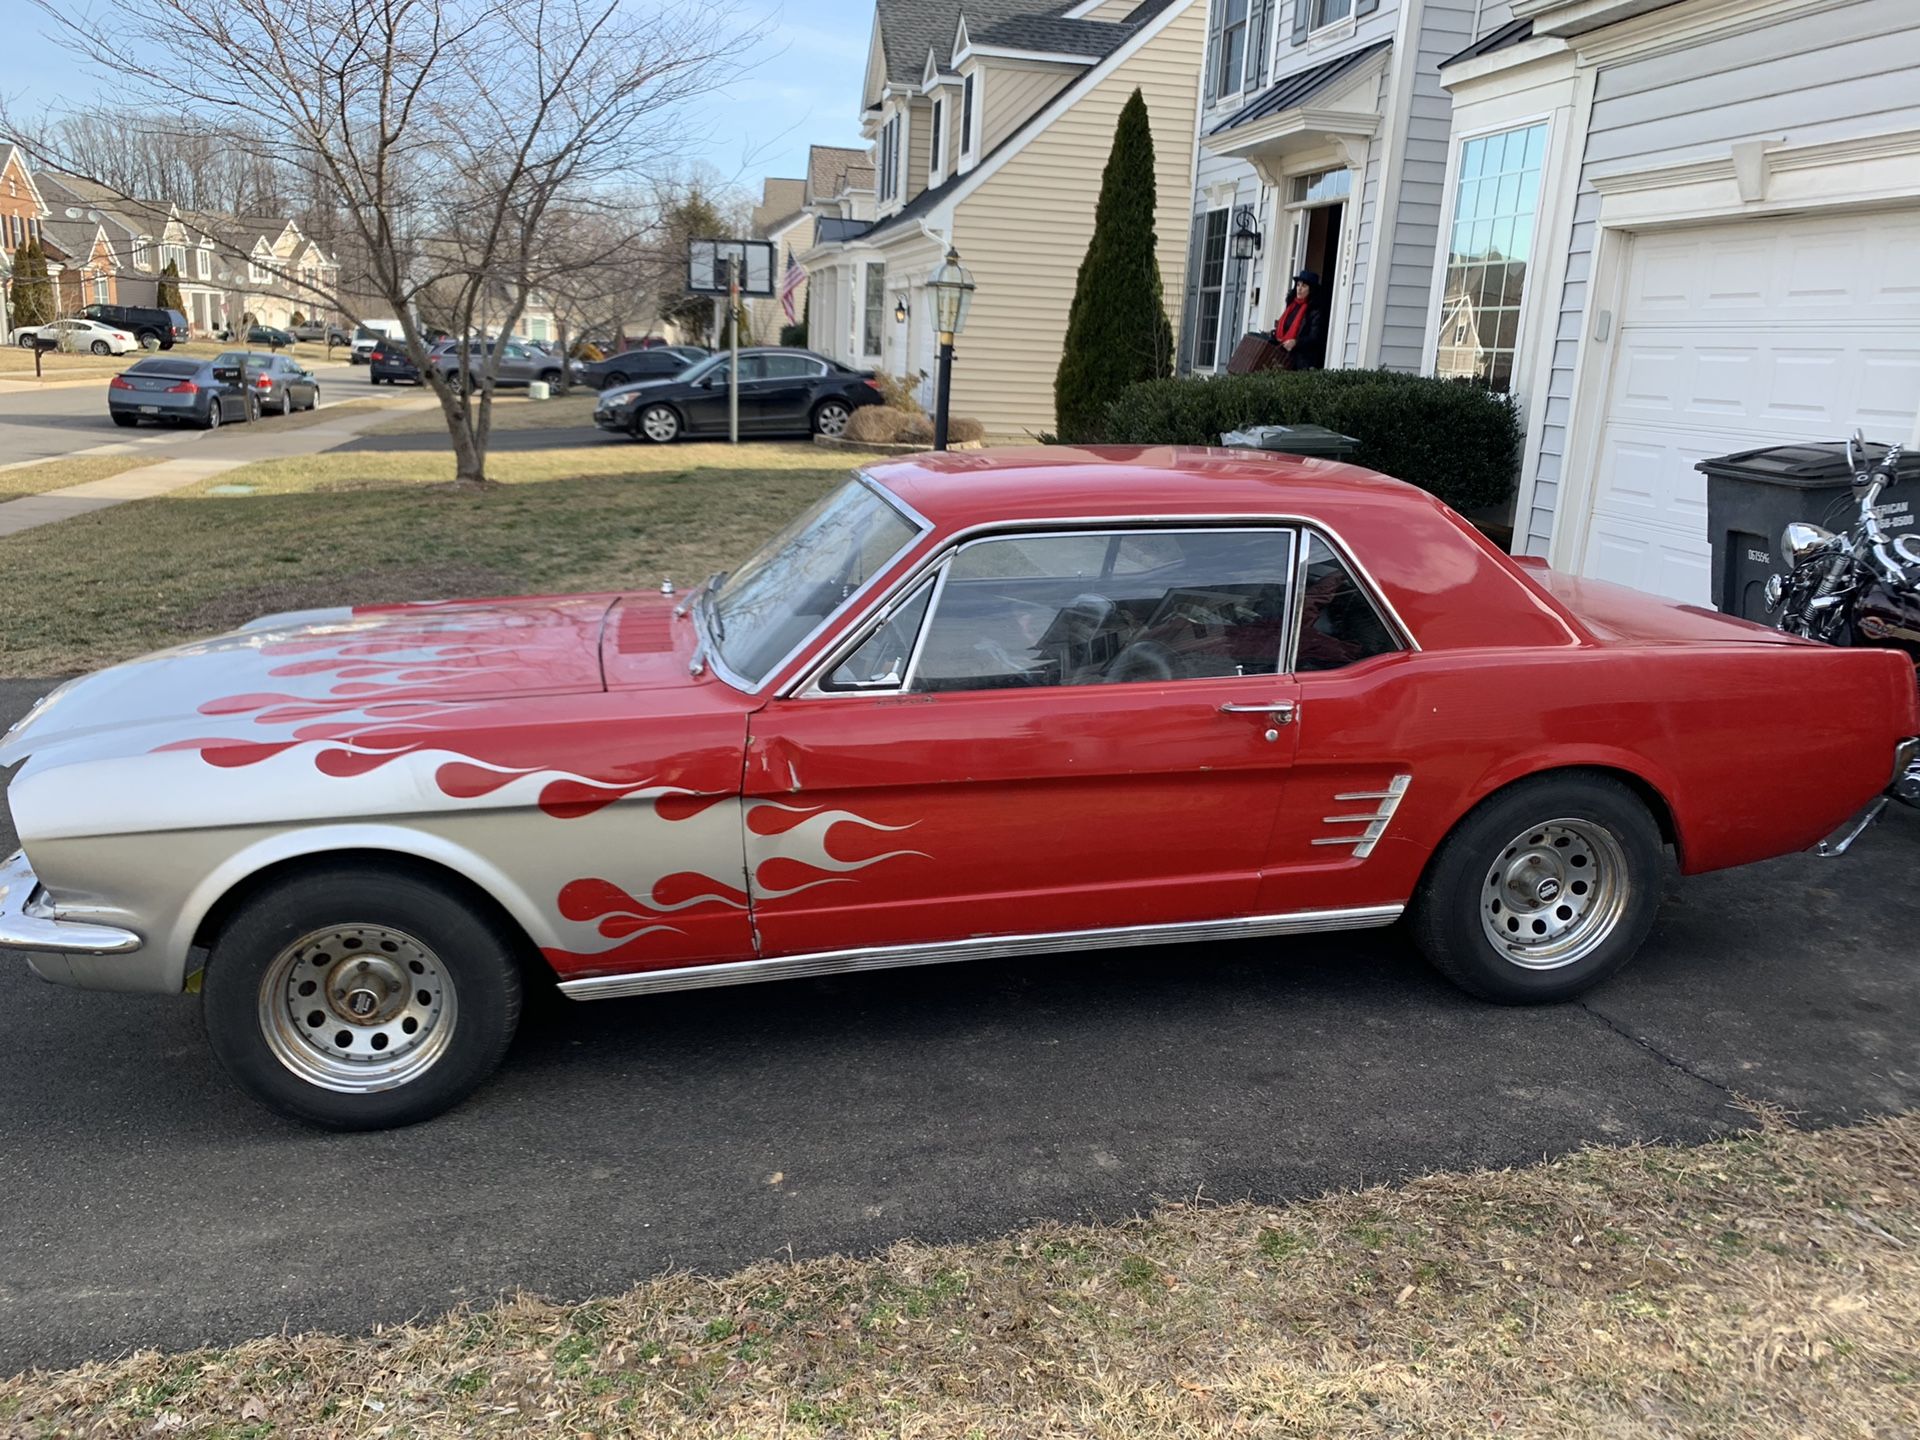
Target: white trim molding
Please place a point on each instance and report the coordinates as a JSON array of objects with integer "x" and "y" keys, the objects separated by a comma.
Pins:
[{"x": 1763, "y": 177}]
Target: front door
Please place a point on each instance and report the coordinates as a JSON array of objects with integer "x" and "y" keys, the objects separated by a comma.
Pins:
[
  {"x": 1053, "y": 733},
  {"x": 706, "y": 405}
]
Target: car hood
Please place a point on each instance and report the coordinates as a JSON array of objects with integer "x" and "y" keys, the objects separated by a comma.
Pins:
[{"x": 337, "y": 669}]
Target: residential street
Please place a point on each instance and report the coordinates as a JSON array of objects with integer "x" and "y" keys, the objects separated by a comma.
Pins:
[
  {"x": 148, "y": 1204},
  {"x": 62, "y": 420}
]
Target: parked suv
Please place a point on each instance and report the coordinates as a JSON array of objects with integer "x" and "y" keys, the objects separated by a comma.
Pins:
[
  {"x": 155, "y": 329},
  {"x": 519, "y": 363}
]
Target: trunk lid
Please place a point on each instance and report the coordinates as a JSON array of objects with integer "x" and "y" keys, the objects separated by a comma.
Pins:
[{"x": 1617, "y": 615}]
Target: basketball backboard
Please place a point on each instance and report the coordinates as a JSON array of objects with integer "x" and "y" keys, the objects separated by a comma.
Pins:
[{"x": 707, "y": 266}]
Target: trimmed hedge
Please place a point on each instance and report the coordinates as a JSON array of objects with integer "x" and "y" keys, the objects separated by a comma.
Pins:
[{"x": 1456, "y": 439}]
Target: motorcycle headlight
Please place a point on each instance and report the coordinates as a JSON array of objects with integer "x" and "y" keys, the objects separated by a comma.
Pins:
[{"x": 1800, "y": 542}]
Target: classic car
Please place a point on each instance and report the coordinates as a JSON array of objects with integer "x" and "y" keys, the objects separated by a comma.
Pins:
[{"x": 999, "y": 704}]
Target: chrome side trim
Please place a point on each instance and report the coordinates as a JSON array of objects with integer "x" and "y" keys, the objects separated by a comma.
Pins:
[
  {"x": 1376, "y": 822},
  {"x": 28, "y": 922},
  {"x": 986, "y": 947}
]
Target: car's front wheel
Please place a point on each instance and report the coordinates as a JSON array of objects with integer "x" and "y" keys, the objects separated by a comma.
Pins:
[
  {"x": 357, "y": 998},
  {"x": 1544, "y": 890},
  {"x": 25, "y": 342},
  {"x": 830, "y": 417},
  {"x": 658, "y": 423}
]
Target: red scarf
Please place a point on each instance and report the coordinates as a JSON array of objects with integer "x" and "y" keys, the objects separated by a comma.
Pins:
[{"x": 1292, "y": 320}]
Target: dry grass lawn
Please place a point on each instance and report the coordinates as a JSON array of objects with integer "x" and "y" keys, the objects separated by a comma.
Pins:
[
  {"x": 349, "y": 528},
  {"x": 16, "y": 363},
  {"x": 510, "y": 412},
  {"x": 1765, "y": 1286}
]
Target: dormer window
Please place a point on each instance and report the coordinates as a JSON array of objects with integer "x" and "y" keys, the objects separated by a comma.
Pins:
[
  {"x": 888, "y": 180},
  {"x": 966, "y": 112},
  {"x": 935, "y": 139}
]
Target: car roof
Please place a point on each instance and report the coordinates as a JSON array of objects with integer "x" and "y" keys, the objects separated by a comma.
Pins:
[{"x": 1450, "y": 584}]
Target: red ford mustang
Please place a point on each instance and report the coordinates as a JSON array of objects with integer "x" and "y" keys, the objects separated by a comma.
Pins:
[{"x": 991, "y": 705}]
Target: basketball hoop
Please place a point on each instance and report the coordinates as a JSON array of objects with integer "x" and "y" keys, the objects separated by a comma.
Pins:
[{"x": 753, "y": 263}]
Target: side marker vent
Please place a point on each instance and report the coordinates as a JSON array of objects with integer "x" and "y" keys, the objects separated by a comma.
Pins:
[{"x": 1376, "y": 820}]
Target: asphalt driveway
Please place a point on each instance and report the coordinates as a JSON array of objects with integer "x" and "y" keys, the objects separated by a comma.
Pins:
[{"x": 145, "y": 1203}]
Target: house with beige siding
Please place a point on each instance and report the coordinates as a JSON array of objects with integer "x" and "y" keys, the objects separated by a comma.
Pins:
[
  {"x": 1698, "y": 223},
  {"x": 991, "y": 122},
  {"x": 783, "y": 221}
]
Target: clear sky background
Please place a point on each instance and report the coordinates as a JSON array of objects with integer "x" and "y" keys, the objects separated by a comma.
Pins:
[{"x": 802, "y": 87}]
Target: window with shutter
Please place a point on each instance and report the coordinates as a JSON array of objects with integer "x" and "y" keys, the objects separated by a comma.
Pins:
[
  {"x": 1216, "y": 13},
  {"x": 1233, "y": 48},
  {"x": 1258, "y": 21}
]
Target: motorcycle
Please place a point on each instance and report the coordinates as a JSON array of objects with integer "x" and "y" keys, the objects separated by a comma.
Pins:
[{"x": 1855, "y": 587}]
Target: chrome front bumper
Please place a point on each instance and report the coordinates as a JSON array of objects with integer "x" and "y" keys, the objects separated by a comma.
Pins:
[{"x": 28, "y": 921}]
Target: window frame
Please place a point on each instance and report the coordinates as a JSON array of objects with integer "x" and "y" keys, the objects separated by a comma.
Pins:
[
  {"x": 807, "y": 685},
  {"x": 1219, "y": 292},
  {"x": 969, "y": 112},
  {"x": 1232, "y": 76},
  {"x": 936, "y": 136},
  {"x": 1322, "y": 20},
  {"x": 1455, "y": 181}
]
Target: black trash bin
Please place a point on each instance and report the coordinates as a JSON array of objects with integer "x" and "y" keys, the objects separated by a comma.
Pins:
[
  {"x": 1754, "y": 495},
  {"x": 1314, "y": 440}
]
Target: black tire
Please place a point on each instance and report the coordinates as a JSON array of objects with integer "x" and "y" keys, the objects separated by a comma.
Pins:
[
  {"x": 125, "y": 421},
  {"x": 549, "y": 377},
  {"x": 25, "y": 342},
  {"x": 100, "y": 347},
  {"x": 150, "y": 340},
  {"x": 214, "y": 417},
  {"x": 1517, "y": 864},
  {"x": 830, "y": 417},
  {"x": 618, "y": 377},
  {"x": 251, "y": 972},
  {"x": 659, "y": 424}
]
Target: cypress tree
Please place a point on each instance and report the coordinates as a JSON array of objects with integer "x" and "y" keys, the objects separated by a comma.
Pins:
[
  {"x": 1117, "y": 331},
  {"x": 167, "y": 297},
  {"x": 32, "y": 288}
]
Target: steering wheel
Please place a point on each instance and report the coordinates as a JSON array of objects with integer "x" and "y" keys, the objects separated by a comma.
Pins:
[{"x": 1142, "y": 660}]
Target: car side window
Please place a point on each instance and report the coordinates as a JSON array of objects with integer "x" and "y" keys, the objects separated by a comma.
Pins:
[
  {"x": 790, "y": 367},
  {"x": 881, "y": 660},
  {"x": 753, "y": 367},
  {"x": 1032, "y": 611},
  {"x": 1339, "y": 625}
]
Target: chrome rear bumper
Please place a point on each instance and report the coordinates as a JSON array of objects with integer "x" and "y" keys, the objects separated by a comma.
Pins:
[
  {"x": 28, "y": 921},
  {"x": 1905, "y": 786}
]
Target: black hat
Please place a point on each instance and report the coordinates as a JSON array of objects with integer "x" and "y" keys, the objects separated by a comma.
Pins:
[{"x": 1312, "y": 277}]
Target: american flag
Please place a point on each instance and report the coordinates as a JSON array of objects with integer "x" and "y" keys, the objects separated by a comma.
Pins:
[{"x": 790, "y": 284}]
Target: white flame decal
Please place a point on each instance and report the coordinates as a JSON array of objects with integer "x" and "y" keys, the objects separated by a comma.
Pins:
[{"x": 806, "y": 844}]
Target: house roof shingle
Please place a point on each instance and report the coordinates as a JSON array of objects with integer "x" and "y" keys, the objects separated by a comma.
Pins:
[
  {"x": 827, "y": 167},
  {"x": 1053, "y": 35},
  {"x": 1511, "y": 33},
  {"x": 1299, "y": 87}
]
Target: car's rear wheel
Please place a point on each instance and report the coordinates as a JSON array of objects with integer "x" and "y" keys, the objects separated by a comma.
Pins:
[
  {"x": 149, "y": 340},
  {"x": 617, "y": 377},
  {"x": 357, "y": 998},
  {"x": 1544, "y": 890},
  {"x": 658, "y": 423},
  {"x": 125, "y": 421},
  {"x": 214, "y": 415},
  {"x": 100, "y": 347},
  {"x": 830, "y": 417}
]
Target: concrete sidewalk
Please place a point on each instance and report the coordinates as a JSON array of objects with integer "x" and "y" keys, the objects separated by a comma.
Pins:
[{"x": 32, "y": 511}]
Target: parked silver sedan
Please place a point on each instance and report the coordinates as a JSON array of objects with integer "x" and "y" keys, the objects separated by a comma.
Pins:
[{"x": 279, "y": 382}]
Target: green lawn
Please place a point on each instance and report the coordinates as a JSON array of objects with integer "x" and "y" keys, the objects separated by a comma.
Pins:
[{"x": 365, "y": 528}]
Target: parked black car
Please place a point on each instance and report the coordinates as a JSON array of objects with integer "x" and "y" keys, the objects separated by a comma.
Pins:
[
  {"x": 154, "y": 328},
  {"x": 782, "y": 392},
  {"x": 388, "y": 364},
  {"x": 179, "y": 392},
  {"x": 659, "y": 363},
  {"x": 270, "y": 336}
]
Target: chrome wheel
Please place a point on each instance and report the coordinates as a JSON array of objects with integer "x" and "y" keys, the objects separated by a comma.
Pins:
[
  {"x": 358, "y": 1008},
  {"x": 1555, "y": 894},
  {"x": 659, "y": 424},
  {"x": 831, "y": 418}
]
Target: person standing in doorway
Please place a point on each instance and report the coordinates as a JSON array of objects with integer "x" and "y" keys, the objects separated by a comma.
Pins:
[{"x": 1301, "y": 330}]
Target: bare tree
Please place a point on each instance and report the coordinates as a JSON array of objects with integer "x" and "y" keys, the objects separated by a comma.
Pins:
[{"x": 452, "y": 133}]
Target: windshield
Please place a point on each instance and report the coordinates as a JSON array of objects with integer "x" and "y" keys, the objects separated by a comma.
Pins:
[{"x": 778, "y": 599}]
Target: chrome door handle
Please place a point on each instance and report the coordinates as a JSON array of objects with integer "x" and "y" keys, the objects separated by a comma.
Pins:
[{"x": 1282, "y": 711}]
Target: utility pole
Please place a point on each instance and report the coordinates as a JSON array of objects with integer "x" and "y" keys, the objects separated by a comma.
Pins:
[{"x": 733, "y": 368}]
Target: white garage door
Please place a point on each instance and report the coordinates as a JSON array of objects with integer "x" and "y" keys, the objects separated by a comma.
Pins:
[{"x": 1736, "y": 336}]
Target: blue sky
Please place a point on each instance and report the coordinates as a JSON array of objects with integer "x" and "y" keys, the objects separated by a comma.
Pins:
[{"x": 803, "y": 87}]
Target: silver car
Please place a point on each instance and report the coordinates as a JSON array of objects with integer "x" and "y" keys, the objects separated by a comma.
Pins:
[
  {"x": 466, "y": 365},
  {"x": 279, "y": 382}
]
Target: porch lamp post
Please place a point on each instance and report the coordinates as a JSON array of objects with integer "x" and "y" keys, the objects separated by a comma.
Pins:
[{"x": 952, "y": 289}]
